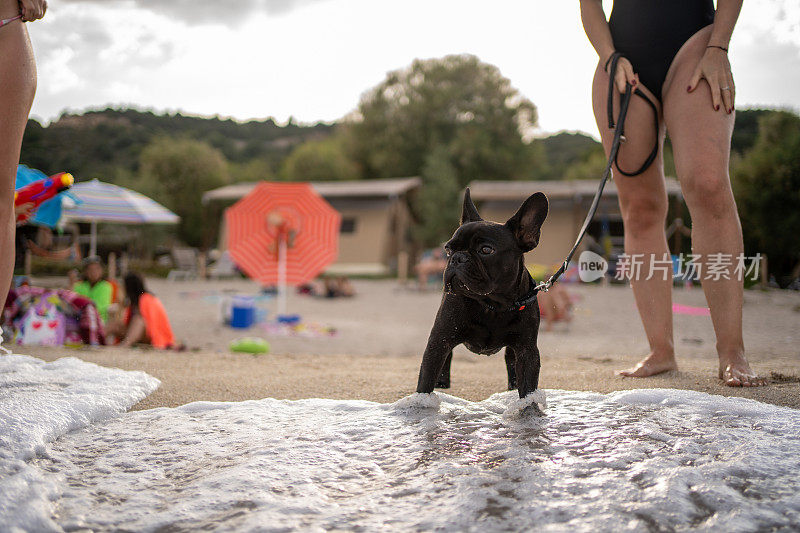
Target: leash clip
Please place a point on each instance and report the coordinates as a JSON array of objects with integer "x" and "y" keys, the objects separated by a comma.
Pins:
[{"x": 544, "y": 286}]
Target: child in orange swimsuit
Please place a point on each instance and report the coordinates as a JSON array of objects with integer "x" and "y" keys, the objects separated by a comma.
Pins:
[{"x": 145, "y": 319}]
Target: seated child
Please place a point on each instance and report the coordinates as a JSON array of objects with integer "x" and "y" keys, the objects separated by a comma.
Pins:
[
  {"x": 95, "y": 286},
  {"x": 144, "y": 320}
]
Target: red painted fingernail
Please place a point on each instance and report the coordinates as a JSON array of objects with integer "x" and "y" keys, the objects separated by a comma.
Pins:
[
  {"x": 633, "y": 82},
  {"x": 689, "y": 88},
  {"x": 716, "y": 107}
]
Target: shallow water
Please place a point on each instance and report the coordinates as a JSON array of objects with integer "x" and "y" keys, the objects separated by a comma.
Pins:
[{"x": 639, "y": 460}]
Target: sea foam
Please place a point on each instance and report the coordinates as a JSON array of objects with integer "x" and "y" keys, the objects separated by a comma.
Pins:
[
  {"x": 40, "y": 402},
  {"x": 657, "y": 459}
]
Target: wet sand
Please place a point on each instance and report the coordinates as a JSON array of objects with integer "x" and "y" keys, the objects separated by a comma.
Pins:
[{"x": 381, "y": 334}]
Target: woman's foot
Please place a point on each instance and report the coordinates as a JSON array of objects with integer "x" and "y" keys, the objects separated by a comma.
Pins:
[
  {"x": 735, "y": 372},
  {"x": 650, "y": 366},
  {"x": 3, "y": 349}
]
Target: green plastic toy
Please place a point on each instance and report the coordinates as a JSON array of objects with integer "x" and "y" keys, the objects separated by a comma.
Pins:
[{"x": 254, "y": 345}]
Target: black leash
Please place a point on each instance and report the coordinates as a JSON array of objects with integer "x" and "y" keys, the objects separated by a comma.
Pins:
[{"x": 619, "y": 137}]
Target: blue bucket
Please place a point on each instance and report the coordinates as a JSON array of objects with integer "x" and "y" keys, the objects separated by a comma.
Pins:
[{"x": 243, "y": 312}]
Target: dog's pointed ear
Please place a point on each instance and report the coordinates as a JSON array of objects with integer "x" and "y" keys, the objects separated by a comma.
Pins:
[
  {"x": 526, "y": 224},
  {"x": 469, "y": 213}
]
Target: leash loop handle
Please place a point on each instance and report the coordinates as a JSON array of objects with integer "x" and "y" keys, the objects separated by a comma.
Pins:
[
  {"x": 618, "y": 127},
  {"x": 620, "y": 122}
]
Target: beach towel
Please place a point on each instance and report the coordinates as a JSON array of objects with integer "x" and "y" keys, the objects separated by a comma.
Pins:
[
  {"x": 82, "y": 319},
  {"x": 156, "y": 321},
  {"x": 42, "y": 325}
]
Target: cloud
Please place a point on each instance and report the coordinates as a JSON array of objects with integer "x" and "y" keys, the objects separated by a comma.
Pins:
[
  {"x": 312, "y": 58},
  {"x": 194, "y": 12},
  {"x": 768, "y": 75},
  {"x": 87, "y": 57},
  {"x": 780, "y": 19}
]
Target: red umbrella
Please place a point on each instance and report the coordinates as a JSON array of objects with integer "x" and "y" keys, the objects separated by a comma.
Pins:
[{"x": 288, "y": 221}]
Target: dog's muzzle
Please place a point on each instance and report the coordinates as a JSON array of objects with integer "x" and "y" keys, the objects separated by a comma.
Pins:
[{"x": 449, "y": 275}]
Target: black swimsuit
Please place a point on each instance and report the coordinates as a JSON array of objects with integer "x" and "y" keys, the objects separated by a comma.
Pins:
[{"x": 650, "y": 32}]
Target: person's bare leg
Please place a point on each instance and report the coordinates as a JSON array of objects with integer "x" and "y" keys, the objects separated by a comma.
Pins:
[
  {"x": 116, "y": 328},
  {"x": 562, "y": 304},
  {"x": 701, "y": 139},
  {"x": 643, "y": 202},
  {"x": 17, "y": 87},
  {"x": 136, "y": 332},
  {"x": 547, "y": 304},
  {"x": 420, "y": 275}
]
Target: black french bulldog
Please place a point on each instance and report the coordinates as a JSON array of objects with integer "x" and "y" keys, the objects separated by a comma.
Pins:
[{"x": 489, "y": 299}]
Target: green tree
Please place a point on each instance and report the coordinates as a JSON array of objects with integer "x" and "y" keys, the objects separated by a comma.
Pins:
[
  {"x": 767, "y": 187},
  {"x": 176, "y": 173},
  {"x": 437, "y": 207},
  {"x": 457, "y": 102},
  {"x": 563, "y": 150},
  {"x": 320, "y": 160},
  {"x": 590, "y": 166},
  {"x": 257, "y": 169}
]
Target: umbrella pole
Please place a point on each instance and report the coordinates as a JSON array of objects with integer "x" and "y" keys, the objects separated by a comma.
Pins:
[
  {"x": 282, "y": 275},
  {"x": 93, "y": 239}
]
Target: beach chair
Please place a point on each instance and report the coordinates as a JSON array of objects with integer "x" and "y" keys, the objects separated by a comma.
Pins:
[
  {"x": 224, "y": 267},
  {"x": 185, "y": 261}
]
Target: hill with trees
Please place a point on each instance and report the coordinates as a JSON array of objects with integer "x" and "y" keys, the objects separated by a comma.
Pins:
[{"x": 108, "y": 143}]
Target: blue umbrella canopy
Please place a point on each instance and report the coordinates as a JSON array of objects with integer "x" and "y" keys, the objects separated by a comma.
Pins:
[
  {"x": 106, "y": 202},
  {"x": 49, "y": 212}
]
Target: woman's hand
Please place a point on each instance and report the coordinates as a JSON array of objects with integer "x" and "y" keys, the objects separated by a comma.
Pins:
[
  {"x": 716, "y": 70},
  {"x": 32, "y": 9},
  {"x": 624, "y": 74}
]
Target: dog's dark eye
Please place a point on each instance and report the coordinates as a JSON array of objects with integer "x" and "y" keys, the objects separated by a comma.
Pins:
[{"x": 486, "y": 250}]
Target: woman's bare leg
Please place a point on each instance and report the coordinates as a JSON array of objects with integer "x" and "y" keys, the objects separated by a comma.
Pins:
[
  {"x": 643, "y": 202},
  {"x": 17, "y": 87},
  {"x": 701, "y": 140}
]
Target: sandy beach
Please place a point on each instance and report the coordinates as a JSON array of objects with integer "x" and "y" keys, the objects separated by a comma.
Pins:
[{"x": 381, "y": 333}]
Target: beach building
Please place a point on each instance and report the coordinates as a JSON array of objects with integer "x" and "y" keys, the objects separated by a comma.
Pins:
[
  {"x": 569, "y": 202},
  {"x": 376, "y": 220}
]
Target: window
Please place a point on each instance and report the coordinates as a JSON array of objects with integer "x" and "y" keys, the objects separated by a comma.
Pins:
[{"x": 348, "y": 225}]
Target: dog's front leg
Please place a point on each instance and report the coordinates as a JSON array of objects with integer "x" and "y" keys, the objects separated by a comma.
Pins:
[
  {"x": 527, "y": 365},
  {"x": 511, "y": 361},
  {"x": 444, "y": 378},
  {"x": 437, "y": 352}
]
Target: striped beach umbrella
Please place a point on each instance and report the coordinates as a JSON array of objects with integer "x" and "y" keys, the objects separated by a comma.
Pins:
[
  {"x": 106, "y": 202},
  {"x": 282, "y": 233}
]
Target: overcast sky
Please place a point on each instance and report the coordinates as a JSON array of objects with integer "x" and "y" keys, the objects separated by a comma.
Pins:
[{"x": 312, "y": 59}]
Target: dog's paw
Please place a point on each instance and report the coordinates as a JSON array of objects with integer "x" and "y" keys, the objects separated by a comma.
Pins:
[
  {"x": 533, "y": 404},
  {"x": 418, "y": 401}
]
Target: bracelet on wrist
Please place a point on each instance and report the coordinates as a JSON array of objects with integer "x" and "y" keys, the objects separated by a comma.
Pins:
[{"x": 719, "y": 47}]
